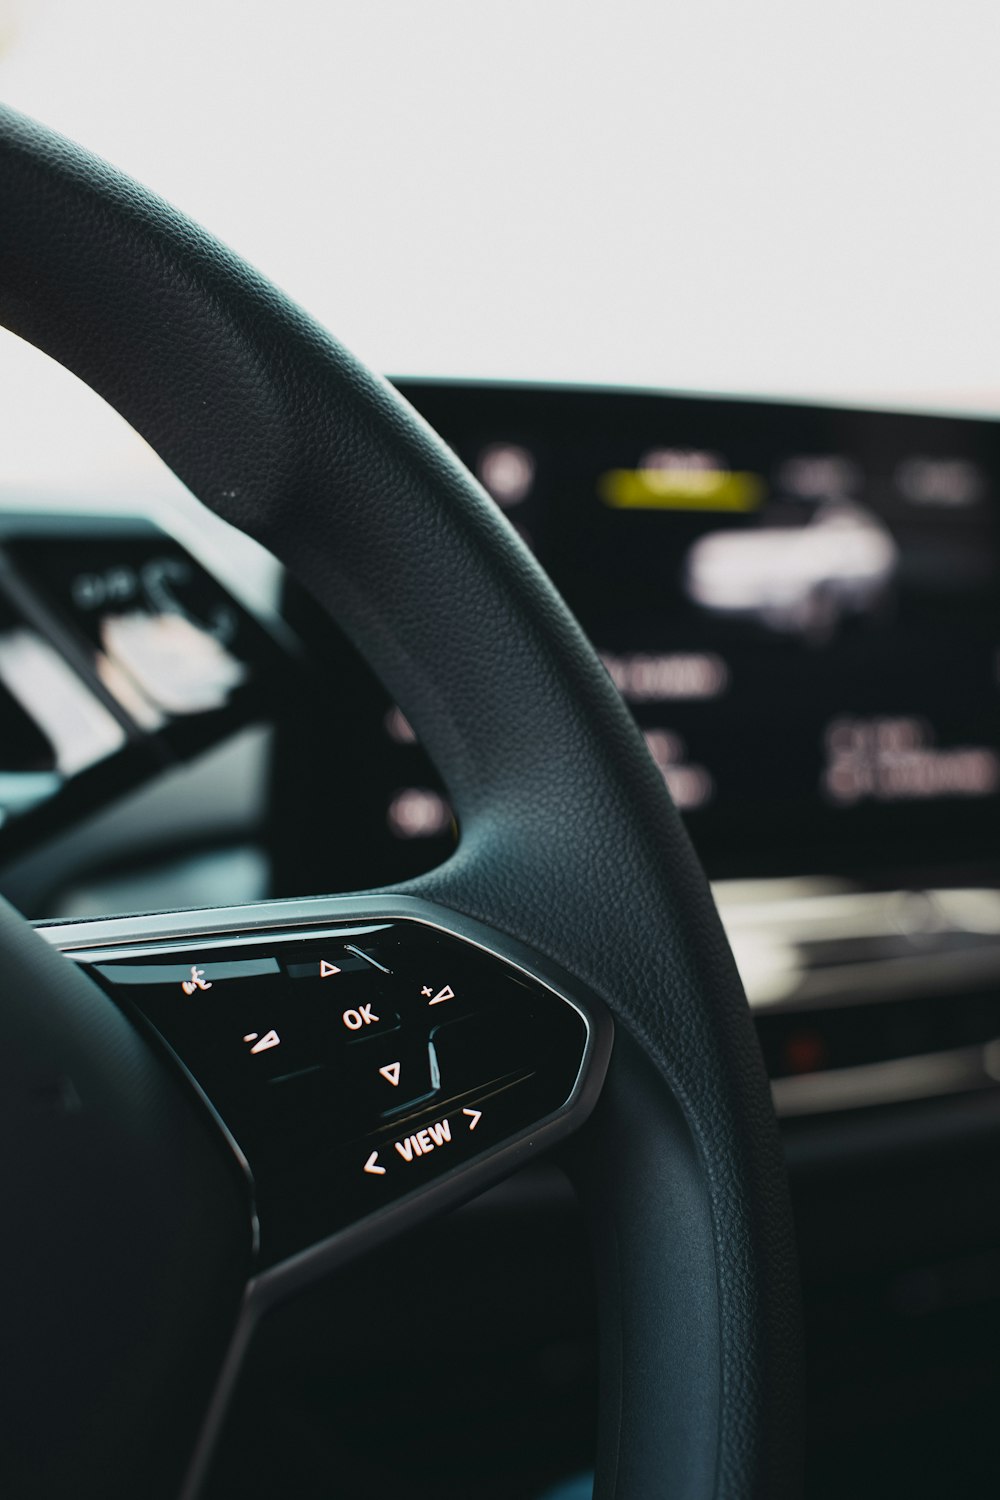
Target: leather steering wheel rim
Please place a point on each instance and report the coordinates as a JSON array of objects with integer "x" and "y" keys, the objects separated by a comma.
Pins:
[{"x": 568, "y": 840}]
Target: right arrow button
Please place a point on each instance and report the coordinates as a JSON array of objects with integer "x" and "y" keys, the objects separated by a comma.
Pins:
[{"x": 475, "y": 1115}]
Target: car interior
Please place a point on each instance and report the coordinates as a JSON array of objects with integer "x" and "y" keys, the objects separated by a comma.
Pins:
[{"x": 402, "y": 709}]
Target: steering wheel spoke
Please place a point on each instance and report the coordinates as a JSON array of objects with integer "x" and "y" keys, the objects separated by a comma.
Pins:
[
  {"x": 371, "y": 1060},
  {"x": 368, "y": 1062}
]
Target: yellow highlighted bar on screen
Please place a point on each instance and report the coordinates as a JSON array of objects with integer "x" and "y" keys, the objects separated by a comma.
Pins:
[{"x": 680, "y": 489}]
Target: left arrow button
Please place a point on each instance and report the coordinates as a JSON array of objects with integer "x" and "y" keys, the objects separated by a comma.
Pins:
[{"x": 371, "y": 1165}]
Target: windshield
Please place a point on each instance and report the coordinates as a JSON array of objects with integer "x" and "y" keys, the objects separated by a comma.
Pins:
[{"x": 772, "y": 198}]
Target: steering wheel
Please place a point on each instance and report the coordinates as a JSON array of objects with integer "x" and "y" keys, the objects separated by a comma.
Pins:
[{"x": 132, "y": 1243}]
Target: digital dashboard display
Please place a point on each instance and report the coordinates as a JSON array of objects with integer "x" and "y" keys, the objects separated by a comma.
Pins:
[{"x": 801, "y": 606}]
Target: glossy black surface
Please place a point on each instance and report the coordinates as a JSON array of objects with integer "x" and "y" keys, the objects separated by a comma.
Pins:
[{"x": 355, "y": 1066}]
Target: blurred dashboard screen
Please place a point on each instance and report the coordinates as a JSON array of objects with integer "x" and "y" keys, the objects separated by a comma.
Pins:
[{"x": 800, "y": 604}]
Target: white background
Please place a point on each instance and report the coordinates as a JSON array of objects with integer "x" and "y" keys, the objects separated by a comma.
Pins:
[{"x": 780, "y": 197}]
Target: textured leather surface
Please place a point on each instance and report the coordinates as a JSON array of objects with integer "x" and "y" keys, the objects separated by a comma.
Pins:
[
  {"x": 125, "y": 1247},
  {"x": 568, "y": 840}
]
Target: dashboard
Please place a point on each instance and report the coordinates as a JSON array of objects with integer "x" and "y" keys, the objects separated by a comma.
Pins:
[
  {"x": 800, "y": 606},
  {"x": 120, "y": 654}
]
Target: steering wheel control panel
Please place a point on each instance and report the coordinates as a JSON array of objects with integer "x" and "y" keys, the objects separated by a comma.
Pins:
[{"x": 355, "y": 1064}]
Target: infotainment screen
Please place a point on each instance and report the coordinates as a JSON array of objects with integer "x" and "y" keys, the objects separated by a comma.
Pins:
[{"x": 801, "y": 605}]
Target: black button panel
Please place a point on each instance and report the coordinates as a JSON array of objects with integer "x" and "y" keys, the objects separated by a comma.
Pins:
[{"x": 354, "y": 1066}]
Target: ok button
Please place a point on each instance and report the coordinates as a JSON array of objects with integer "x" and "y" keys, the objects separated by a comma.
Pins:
[
  {"x": 367, "y": 1020},
  {"x": 357, "y": 1020}
]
